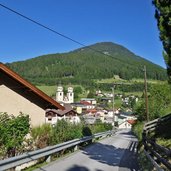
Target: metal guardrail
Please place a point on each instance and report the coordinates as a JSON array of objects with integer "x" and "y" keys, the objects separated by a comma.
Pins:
[
  {"x": 45, "y": 152},
  {"x": 155, "y": 152}
]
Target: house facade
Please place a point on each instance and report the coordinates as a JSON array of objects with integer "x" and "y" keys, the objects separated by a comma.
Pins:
[
  {"x": 18, "y": 95},
  {"x": 53, "y": 115},
  {"x": 90, "y": 100}
]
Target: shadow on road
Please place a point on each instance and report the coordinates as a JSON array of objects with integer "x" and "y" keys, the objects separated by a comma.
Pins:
[
  {"x": 129, "y": 159},
  {"x": 80, "y": 168},
  {"x": 124, "y": 159},
  {"x": 107, "y": 154},
  {"x": 110, "y": 155}
]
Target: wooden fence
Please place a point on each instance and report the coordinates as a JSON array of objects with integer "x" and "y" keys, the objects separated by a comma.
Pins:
[{"x": 155, "y": 152}]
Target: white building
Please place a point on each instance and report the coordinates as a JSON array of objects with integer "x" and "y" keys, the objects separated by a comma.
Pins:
[
  {"x": 90, "y": 100},
  {"x": 68, "y": 114},
  {"x": 60, "y": 97}
]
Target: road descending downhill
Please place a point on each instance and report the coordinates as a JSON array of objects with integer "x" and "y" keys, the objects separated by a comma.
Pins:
[{"x": 116, "y": 153}]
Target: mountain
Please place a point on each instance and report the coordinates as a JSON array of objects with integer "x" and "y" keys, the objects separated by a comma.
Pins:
[{"x": 98, "y": 61}]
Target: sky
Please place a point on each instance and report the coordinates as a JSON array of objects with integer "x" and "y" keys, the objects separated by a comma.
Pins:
[{"x": 130, "y": 23}]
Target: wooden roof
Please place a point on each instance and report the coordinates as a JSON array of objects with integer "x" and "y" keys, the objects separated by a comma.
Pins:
[
  {"x": 68, "y": 110},
  {"x": 29, "y": 86}
]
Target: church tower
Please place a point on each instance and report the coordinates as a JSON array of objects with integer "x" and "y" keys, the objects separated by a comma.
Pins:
[
  {"x": 59, "y": 94},
  {"x": 70, "y": 95}
]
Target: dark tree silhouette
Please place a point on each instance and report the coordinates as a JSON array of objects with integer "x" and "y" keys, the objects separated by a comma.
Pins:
[{"x": 163, "y": 16}]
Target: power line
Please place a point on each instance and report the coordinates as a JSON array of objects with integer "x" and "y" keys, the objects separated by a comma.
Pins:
[
  {"x": 35, "y": 22},
  {"x": 56, "y": 32}
]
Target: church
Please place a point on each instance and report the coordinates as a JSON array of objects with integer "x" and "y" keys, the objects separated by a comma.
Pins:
[
  {"x": 52, "y": 115},
  {"x": 61, "y": 98}
]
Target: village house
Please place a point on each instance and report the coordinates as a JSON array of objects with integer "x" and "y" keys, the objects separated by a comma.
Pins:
[
  {"x": 89, "y": 119},
  {"x": 126, "y": 120},
  {"x": 83, "y": 106},
  {"x": 124, "y": 123},
  {"x": 79, "y": 107},
  {"x": 88, "y": 105},
  {"x": 108, "y": 119},
  {"x": 18, "y": 95},
  {"x": 101, "y": 114},
  {"x": 106, "y": 99},
  {"x": 53, "y": 115},
  {"x": 90, "y": 100},
  {"x": 99, "y": 93}
]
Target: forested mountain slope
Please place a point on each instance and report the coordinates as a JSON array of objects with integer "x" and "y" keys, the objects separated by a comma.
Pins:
[{"x": 86, "y": 64}]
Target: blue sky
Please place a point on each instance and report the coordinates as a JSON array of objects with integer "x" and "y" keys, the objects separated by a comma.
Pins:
[{"x": 130, "y": 23}]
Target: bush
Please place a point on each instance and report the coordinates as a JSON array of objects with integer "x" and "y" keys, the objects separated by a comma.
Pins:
[
  {"x": 100, "y": 127},
  {"x": 63, "y": 131},
  {"x": 42, "y": 135},
  {"x": 138, "y": 129},
  {"x": 12, "y": 131}
]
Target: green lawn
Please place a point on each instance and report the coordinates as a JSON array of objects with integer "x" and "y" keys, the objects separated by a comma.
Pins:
[
  {"x": 118, "y": 80},
  {"x": 110, "y": 80},
  {"x": 49, "y": 90}
]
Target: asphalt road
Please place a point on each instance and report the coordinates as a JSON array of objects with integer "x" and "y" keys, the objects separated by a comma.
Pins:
[{"x": 116, "y": 153}]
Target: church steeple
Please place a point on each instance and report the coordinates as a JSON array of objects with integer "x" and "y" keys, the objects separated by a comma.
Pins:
[
  {"x": 59, "y": 94},
  {"x": 70, "y": 95},
  {"x": 69, "y": 98}
]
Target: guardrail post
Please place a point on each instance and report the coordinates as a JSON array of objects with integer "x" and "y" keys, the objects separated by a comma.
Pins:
[
  {"x": 48, "y": 159},
  {"x": 76, "y": 148}
]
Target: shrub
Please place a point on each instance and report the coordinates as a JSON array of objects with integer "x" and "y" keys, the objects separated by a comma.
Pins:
[
  {"x": 65, "y": 131},
  {"x": 12, "y": 131},
  {"x": 138, "y": 129},
  {"x": 42, "y": 135}
]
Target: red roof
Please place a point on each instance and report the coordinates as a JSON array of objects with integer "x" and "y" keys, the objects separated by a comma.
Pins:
[
  {"x": 48, "y": 100},
  {"x": 131, "y": 121},
  {"x": 92, "y": 110},
  {"x": 85, "y": 103}
]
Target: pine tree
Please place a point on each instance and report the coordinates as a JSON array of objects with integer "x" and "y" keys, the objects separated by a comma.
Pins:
[{"x": 163, "y": 16}]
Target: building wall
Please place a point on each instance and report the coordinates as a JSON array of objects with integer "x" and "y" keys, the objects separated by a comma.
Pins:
[
  {"x": 13, "y": 103},
  {"x": 125, "y": 125}
]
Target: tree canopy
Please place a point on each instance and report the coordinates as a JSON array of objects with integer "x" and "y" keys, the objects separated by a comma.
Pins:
[
  {"x": 159, "y": 102},
  {"x": 82, "y": 66},
  {"x": 163, "y": 16}
]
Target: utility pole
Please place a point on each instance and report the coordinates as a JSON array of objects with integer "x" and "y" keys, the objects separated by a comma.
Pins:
[
  {"x": 113, "y": 105},
  {"x": 145, "y": 93},
  {"x": 113, "y": 101}
]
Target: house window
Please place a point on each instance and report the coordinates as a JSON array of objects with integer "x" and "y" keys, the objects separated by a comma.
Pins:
[
  {"x": 70, "y": 94},
  {"x": 60, "y": 94},
  {"x": 49, "y": 118}
]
